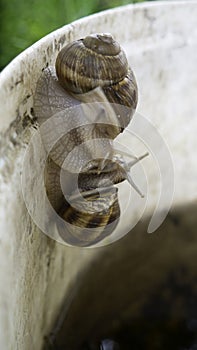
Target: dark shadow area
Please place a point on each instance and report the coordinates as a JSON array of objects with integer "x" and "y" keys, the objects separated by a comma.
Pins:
[{"x": 140, "y": 291}]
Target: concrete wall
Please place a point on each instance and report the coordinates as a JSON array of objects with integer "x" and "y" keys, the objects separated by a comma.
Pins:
[{"x": 36, "y": 273}]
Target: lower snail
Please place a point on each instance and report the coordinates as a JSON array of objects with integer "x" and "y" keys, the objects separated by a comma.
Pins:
[{"x": 84, "y": 104}]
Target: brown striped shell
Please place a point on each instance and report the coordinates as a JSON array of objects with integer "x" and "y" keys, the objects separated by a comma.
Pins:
[{"x": 98, "y": 60}]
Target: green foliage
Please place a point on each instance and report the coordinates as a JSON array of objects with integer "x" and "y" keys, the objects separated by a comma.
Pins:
[{"x": 25, "y": 21}]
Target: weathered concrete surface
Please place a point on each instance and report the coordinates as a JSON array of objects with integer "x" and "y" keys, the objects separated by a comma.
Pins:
[{"x": 36, "y": 273}]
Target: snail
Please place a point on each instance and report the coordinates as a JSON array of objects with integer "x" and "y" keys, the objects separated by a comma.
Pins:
[{"x": 84, "y": 104}]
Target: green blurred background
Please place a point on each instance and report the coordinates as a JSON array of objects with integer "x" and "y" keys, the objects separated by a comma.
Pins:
[{"x": 25, "y": 21}]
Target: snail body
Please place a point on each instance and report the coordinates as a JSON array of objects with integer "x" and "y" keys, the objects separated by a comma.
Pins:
[{"x": 93, "y": 96}]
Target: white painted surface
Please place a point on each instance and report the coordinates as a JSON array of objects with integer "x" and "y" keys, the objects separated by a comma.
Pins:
[{"x": 36, "y": 273}]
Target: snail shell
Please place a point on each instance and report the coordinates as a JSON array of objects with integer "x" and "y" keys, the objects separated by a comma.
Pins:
[
  {"x": 90, "y": 73},
  {"x": 98, "y": 60}
]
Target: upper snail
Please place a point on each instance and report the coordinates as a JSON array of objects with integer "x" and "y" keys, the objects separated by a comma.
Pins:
[{"x": 97, "y": 60}]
